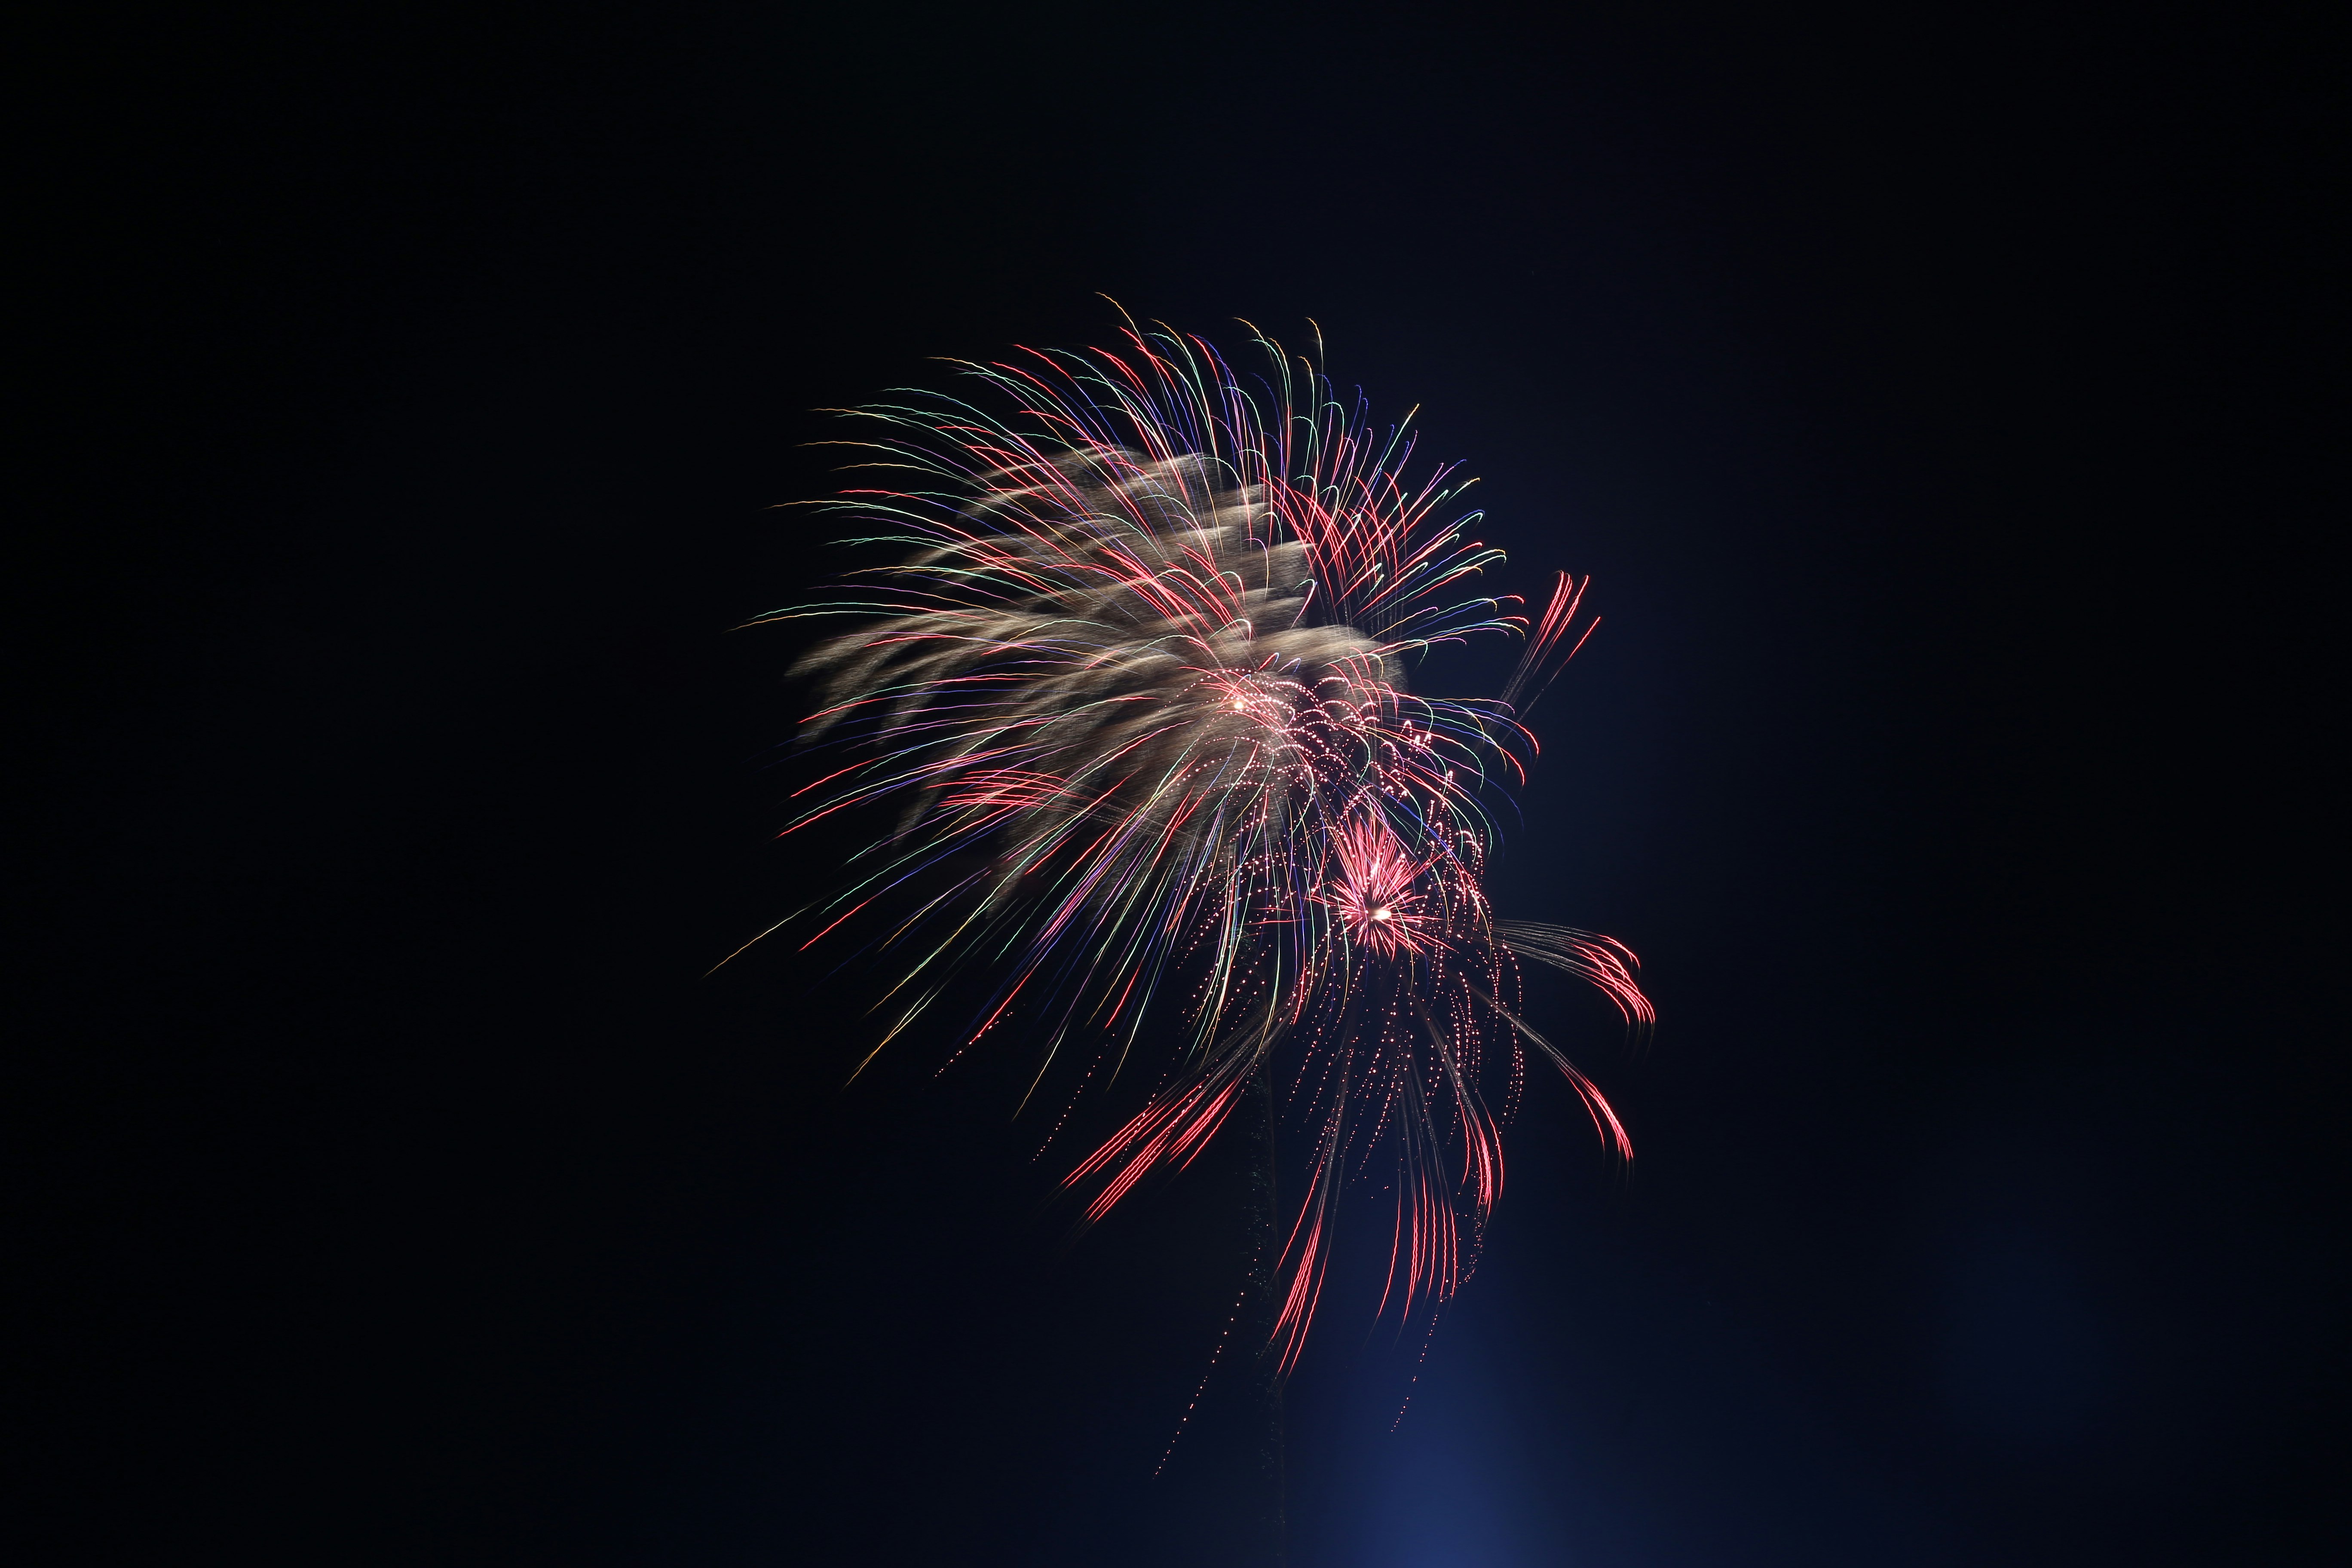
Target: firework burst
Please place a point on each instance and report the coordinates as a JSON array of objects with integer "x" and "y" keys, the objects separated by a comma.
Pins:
[{"x": 1136, "y": 687}]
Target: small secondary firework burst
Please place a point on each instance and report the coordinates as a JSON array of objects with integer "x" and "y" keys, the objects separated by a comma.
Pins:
[{"x": 1137, "y": 688}]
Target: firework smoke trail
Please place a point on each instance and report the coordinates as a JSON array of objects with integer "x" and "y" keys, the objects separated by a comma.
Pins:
[{"x": 1137, "y": 689}]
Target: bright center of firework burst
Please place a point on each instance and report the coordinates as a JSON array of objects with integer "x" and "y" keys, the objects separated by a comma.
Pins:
[{"x": 1377, "y": 892}]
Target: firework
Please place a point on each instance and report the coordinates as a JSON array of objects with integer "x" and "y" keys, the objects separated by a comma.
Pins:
[{"x": 1136, "y": 689}]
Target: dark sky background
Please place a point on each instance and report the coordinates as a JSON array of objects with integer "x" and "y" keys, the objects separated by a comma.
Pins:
[{"x": 1944, "y": 404}]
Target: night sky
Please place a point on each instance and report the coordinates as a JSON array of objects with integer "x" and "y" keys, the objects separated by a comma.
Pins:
[{"x": 1944, "y": 406}]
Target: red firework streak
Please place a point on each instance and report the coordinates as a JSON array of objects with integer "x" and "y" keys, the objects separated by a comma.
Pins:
[{"x": 1137, "y": 688}]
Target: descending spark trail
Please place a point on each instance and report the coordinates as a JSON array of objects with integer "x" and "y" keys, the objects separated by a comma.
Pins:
[{"x": 1136, "y": 689}]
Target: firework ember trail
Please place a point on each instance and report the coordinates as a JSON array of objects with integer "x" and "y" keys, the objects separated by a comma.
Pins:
[{"x": 1132, "y": 701}]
